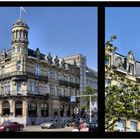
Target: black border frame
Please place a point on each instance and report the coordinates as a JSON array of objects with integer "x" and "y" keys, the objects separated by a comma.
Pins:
[
  {"x": 59, "y": 135},
  {"x": 101, "y": 52}
]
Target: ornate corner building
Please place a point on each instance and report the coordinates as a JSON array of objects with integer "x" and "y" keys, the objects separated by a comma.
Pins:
[
  {"x": 130, "y": 71},
  {"x": 35, "y": 87}
]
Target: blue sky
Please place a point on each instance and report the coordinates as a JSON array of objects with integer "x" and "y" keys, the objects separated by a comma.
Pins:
[
  {"x": 60, "y": 30},
  {"x": 125, "y": 24}
]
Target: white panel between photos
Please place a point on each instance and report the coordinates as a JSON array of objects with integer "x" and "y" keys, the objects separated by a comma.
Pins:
[{"x": 71, "y": 139}]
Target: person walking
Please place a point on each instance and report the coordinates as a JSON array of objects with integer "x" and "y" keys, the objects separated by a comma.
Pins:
[{"x": 84, "y": 128}]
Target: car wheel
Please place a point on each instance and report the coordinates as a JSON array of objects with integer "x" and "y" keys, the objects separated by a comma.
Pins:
[
  {"x": 7, "y": 130},
  {"x": 63, "y": 125},
  {"x": 52, "y": 126},
  {"x": 21, "y": 128}
]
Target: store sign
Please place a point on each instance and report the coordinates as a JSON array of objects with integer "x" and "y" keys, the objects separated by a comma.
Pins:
[{"x": 73, "y": 99}]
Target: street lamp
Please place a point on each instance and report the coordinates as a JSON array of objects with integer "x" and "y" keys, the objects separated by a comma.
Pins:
[{"x": 89, "y": 103}]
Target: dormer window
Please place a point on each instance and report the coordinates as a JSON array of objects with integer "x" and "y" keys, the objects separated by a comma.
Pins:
[
  {"x": 131, "y": 69},
  {"x": 18, "y": 65}
]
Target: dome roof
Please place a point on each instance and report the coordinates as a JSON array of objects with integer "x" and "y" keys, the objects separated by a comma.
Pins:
[{"x": 20, "y": 22}]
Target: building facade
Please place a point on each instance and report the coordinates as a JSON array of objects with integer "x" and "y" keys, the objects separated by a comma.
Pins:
[
  {"x": 130, "y": 71},
  {"x": 88, "y": 77},
  {"x": 35, "y": 87}
]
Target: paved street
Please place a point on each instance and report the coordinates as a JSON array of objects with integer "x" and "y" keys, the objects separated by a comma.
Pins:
[{"x": 38, "y": 128}]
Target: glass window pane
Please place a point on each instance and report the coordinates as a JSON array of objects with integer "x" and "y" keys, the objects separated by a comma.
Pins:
[{"x": 133, "y": 125}]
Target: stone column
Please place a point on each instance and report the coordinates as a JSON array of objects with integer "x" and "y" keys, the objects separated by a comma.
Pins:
[
  {"x": 13, "y": 108},
  {"x": 138, "y": 129},
  {"x": 0, "y": 107},
  {"x": 50, "y": 107},
  {"x": 38, "y": 109},
  {"x": 11, "y": 105},
  {"x": 127, "y": 125},
  {"x": 25, "y": 108}
]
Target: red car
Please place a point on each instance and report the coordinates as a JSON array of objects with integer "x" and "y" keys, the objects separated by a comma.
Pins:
[{"x": 11, "y": 126}]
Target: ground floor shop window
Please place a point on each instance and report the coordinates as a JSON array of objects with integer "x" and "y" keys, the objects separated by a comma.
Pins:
[
  {"x": 32, "y": 109},
  {"x": 121, "y": 125},
  {"x": 133, "y": 126},
  {"x": 61, "y": 110},
  {"x": 5, "y": 108},
  {"x": 68, "y": 111},
  {"x": 18, "y": 108},
  {"x": 44, "y": 110}
]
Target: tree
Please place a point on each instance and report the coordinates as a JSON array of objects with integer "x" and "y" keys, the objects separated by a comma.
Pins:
[{"x": 122, "y": 98}]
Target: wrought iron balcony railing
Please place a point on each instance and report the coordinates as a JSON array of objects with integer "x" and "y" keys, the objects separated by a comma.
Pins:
[
  {"x": 71, "y": 84},
  {"x": 19, "y": 75}
]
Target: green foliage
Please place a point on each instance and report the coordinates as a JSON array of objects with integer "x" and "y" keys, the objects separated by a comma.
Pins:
[
  {"x": 88, "y": 91},
  {"x": 120, "y": 102}
]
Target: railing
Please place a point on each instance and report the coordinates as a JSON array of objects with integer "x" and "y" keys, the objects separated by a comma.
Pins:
[
  {"x": 37, "y": 94},
  {"x": 23, "y": 93},
  {"x": 23, "y": 74},
  {"x": 66, "y": 83},
  {"x": 64, "y": 98},
  {"x": 14, "y": 93}
]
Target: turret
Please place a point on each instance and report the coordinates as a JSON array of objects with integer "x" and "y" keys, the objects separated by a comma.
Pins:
[{"x": 20, "y": 36}]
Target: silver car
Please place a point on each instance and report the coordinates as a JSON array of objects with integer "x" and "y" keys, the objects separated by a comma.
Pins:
[{"x": 53, "y": 124}]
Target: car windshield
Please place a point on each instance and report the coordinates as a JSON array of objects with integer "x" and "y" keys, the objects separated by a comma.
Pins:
[
  {"x": 52, "y": 121},
  {"x": 7, "y": 123}
]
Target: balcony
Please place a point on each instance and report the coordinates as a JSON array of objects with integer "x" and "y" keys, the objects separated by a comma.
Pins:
[
  {"x": 63, "y": 82},
  {"x": 39, "y": 95},
  {"x": 64, "y": 98},
  {"x": 38, "y": 77},
  {"x": 22, "y": 76},
  {"x": 24, "y": 93},
  {"x": 71, "y": 84}
]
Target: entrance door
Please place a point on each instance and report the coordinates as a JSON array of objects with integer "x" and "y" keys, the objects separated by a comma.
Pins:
[{"x": 6, "y": 108}]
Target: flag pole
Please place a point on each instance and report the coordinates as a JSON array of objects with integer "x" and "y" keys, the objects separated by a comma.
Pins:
[{"x": 20, "y": 13}]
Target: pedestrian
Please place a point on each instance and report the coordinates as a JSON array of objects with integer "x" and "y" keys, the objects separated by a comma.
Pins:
[
  {"x": 75, "y": 128},
  {"x": 84, "y": 128},
  {"x": 81, "y": 125}
]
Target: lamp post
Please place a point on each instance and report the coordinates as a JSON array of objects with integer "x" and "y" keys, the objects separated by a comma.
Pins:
[{"x": 89, "y": 103}]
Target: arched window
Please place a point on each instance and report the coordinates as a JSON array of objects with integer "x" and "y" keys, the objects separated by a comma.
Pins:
[
  {"x": 18, "y": 108},
  {"x": 68, "y": 111},
  {"x": 44, "y": 110},
  {"x": 18, "y": 34},
  {"x": 5, "y": 108},
  {"x": 61, "y": 110},
  {"x": 21, "y": 33},
  {"x": 18, "y": 66},
  {"x": 32, "y": 109}
]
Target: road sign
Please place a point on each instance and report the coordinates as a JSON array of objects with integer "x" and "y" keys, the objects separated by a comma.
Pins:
[{"x": 73, "y": 99}]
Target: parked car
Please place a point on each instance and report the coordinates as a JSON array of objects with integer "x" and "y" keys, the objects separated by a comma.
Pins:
[
  {"x": 53, "y": 124},
  {"x": 69, "y": 122},
  {"x": 11, "y": 126},
  {"x": 93, "y": 127}
]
